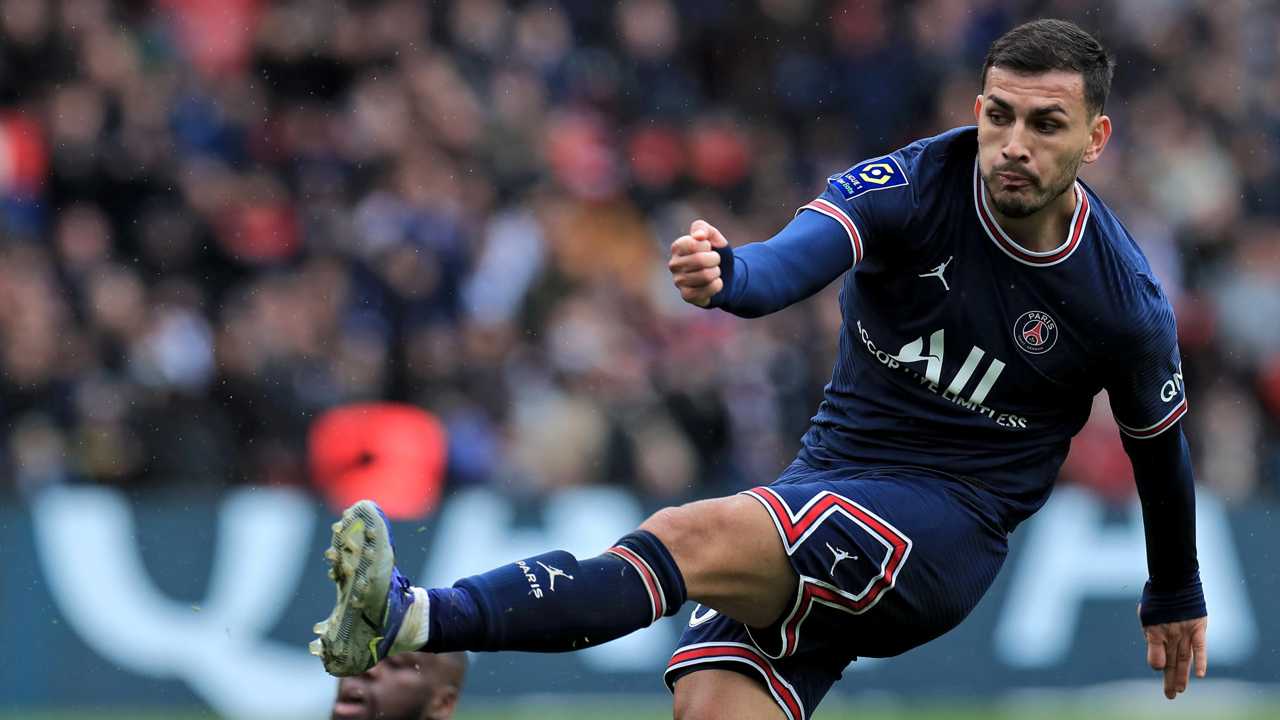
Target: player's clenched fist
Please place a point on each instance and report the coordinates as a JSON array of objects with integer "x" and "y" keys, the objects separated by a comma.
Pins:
[{"x": 695, "y": 265}]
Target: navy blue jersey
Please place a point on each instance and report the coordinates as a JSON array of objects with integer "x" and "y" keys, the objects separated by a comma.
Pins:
[{"x": 962, "y": 351}]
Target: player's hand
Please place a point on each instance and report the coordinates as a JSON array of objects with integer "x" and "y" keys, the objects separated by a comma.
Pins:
[
  {"x": 1171, "y": 647},
  {"x": 695, "y": 265}
]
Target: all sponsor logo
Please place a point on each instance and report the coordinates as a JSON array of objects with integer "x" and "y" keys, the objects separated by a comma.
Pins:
[{"x": 915, "y": 352}]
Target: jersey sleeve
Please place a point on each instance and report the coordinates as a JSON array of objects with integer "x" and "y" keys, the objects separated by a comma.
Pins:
[
  {"x": 1146, "y": 389},
  {"x": 872, "y": 202},
  {"x": 761, "y": 278}
]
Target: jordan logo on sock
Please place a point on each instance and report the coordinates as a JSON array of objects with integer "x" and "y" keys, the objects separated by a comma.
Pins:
[{"x": 552, "y": 574}]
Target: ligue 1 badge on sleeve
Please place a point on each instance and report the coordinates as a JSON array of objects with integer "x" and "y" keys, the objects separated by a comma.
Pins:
[
  {"x": 876, "y": 174},
  {"x": 1035, "y": 332}
]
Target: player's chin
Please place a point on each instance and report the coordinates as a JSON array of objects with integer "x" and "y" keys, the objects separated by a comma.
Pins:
[{"x": 1015, "y": 204}]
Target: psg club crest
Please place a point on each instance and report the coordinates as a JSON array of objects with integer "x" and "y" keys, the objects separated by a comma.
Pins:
[{"x": 1035, "y": 332}]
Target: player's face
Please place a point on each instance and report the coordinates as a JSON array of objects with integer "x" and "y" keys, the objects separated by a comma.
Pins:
[
  {"x": 402, "y": 687},
  {"x": 1034, "y": 132}
]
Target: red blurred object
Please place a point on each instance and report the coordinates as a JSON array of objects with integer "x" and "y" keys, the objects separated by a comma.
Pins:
[
  {"x": 1097, "y": 459},
  {"x": 657, "y": 156},
  {"x": 1269, "y": 384},
  {"x": 262, "y": 233},
  {"x": 1197, "y": 326},
  {"x": 391, "y": 453},
  {"x": 581, "y": 157},
  {"x": 720, "y": 157},
  {"x": 216, "y": 34},
  {"x": 24, "y": 159}
]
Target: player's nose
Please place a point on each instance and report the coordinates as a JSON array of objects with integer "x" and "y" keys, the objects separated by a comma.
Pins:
[{"x": 1015, "y": 146}]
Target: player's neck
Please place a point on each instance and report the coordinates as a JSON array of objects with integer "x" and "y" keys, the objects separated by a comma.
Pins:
[{"x": 1044, "y": 230}]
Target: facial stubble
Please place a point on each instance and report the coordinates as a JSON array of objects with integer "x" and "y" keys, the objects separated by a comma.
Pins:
[{"x": 1017, "y": 208}]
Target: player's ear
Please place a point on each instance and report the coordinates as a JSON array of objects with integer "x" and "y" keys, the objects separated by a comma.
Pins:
[
  {"x": 977, "y": 107},
  {"x": 442, "y": 704},
  {"x": 1099, "y": 134}
]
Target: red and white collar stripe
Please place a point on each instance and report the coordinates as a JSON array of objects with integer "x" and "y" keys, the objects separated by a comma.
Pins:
[{"x": 1075, "y": 231}]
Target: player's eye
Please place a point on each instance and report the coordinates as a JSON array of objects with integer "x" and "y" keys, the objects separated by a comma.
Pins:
[
  {"x": 1047, "y": 127},
  {"x": 997, "y": 117}
]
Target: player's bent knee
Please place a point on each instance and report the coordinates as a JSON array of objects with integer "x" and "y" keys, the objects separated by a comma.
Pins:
[
  {"x": 719, "y": 694},
  {"x": 700, "y": 537},
  {"x": 729, "y": 555},
  {"x": 684, "y": 530}
]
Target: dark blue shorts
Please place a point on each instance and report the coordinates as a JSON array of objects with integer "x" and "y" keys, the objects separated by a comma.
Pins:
[{"x": 888, "y": 559}]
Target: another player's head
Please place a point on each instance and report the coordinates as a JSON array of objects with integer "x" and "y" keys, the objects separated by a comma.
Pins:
[
  {"x": 407, "y": 686},
  {"x": 1044, "y": 87}
]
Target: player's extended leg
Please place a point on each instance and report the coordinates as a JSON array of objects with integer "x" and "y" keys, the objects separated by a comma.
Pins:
[{"x": 724, "y": 553}]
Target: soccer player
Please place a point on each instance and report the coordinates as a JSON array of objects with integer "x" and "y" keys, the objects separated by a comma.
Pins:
[
  {"x": 987, "y": 296},
  {"x": 406, "y": 686}
]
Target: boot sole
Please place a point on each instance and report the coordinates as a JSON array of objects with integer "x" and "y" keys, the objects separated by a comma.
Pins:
[{"x": 360, "y": 562}]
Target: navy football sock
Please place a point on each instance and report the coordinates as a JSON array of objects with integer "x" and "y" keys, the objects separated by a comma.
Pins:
[{"x": 556, "y": 603}]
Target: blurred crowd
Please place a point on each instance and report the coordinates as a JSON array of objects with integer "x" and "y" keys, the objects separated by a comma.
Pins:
[{"x": 219, "y": 218}]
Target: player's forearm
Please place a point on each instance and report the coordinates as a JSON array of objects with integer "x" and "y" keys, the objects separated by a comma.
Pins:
[
  {"x": 761, "y": 278},
  {"x": 1166, "y": 487}
]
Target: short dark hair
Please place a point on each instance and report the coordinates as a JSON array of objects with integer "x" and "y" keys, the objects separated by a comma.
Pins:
[{"x": 1045, "y": 45}]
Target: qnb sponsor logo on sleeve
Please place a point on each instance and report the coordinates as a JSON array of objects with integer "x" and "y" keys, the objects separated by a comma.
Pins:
[{"x": 1172, "y": 388}]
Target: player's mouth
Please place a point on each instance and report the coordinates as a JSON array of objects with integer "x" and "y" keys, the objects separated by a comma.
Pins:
[
  {"x": 352, "y": 703},
  {"x": 1013, "y": 181}
]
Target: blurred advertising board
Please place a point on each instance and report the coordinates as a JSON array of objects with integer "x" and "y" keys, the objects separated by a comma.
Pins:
[{"x": 177, "y": 600}]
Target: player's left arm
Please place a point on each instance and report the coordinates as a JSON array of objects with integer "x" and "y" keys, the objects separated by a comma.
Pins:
[
  {"x": 1148, "y": 398},
  {"x": 1172, "y": 610}
]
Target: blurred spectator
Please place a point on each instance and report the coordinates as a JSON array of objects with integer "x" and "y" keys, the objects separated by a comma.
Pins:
[{"x": 221, "y": 219}]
